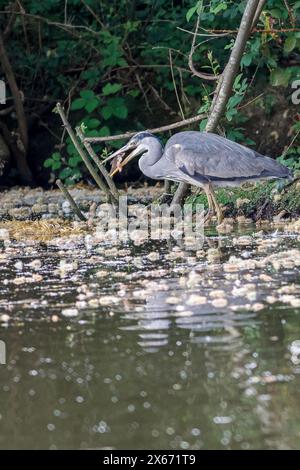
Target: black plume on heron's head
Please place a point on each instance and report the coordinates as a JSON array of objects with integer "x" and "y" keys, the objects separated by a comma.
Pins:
[{"x": 140, "y": 136}]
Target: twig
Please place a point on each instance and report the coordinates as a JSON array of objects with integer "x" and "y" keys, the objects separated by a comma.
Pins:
[
  {"x": 99, "y": 164},
  {"x": 156, "y": 130},
  {"x": 259, "y": 9},
  {"x": 71, "y": 200},
  {"x": 79, "y": 149},
  {"x": 92, "y": 12},
  {"x": 290, "y": 12},
  {"x": 174, "y": 84},
  {"x": 203, "y": 75}
]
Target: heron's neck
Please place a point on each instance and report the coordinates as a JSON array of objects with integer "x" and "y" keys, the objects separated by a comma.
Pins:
[{"x": 150, "y": 157}]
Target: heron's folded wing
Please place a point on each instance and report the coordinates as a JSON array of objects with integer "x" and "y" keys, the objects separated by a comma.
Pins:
[{"x": 215, "y": 157}]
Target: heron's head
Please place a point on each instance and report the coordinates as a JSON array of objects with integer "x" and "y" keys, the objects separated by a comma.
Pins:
[{"x": 137, "y": 145}]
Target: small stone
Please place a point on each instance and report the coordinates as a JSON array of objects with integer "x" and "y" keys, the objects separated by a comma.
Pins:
[
  {"x": 69, "y": 312},
  {"x": 257, "y": 307},
  {"x": 4, "y": 318},
  {"x": 4, "y": 234},
  {"x": 195, "y": 299},
  {"x": 219, "y": 303}
]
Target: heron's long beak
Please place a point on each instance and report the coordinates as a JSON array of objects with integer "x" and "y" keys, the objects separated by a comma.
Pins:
[
  {"x": 120, "y": 151},
  {"x": 133, "y": 154}
]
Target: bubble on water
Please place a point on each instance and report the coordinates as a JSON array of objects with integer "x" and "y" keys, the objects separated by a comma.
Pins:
[
  {"x": 195, "y": 432},
  {"x": 50, "y": 427},
  {"x": 184, "y": 445},
  {"x": 170, "y": 431},
  {"x": 79, "y": 399},
  {"x": 222, "y": 419},
  {"x": 101, "y": 427},
  {"x": 131, "y": 408}
]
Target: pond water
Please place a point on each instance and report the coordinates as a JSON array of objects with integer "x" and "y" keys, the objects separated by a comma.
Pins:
[{"x": 151, "y": 347}]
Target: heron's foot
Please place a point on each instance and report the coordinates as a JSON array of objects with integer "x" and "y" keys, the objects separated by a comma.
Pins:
[{"x": 220, "y": 215}]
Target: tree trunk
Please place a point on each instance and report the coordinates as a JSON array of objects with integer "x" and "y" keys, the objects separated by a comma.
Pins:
[
  {"x": 20, "y": 157},
  {"x": 226, "y": 81}
]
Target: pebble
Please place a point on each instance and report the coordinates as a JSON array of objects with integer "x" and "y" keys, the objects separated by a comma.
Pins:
[
  {"x": 195, "y": 299},
  {"x": 219, "y": 303},
  {"x": 69, "y": 312}
]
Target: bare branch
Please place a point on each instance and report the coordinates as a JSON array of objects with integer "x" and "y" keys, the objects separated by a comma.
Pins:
[
  {"x": 71, "y": 200},
  {"x": 203, "y": 75},
  {"x": 82, "y": 154},
  {"x": 156, "y": 130},
  {"x": 174, "y": 84},
  {"x": 98, "y": 162}
]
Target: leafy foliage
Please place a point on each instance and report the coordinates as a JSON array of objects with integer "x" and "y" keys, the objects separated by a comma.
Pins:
[{"x": 110, "y": 61}]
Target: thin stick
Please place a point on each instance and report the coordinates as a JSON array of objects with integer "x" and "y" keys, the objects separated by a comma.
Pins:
[
  {"x": 174, "y": 84},
  {"x": 203, "y": 75},
  {"x": 156, "y": 130},
  {"x": 99, "y": 164},
  {"x": 85, "y": 159},
  {"x": 71, "y": 200}
]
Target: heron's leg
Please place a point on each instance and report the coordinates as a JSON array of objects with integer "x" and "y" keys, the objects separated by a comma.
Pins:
[
  {"x": 211, "y": 209},
  {"x": 220, "y": 215}
]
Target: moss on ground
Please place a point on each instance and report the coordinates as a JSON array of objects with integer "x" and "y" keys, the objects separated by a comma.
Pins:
[{"x": 258, "y": 201}]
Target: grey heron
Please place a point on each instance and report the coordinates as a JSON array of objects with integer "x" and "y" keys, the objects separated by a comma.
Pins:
[{"x": 201, "y": 159}]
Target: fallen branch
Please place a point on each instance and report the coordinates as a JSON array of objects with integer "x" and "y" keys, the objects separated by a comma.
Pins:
[
  {"x": 79, "y": 149},
  {"x": 99, "y": 164},
  {"x": 156, "y": 130},
  {"x": 71, "y": 200}
]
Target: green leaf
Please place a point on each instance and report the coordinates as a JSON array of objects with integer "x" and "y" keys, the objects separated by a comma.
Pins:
[
  {"x": 111, "y": 88},
  {"x": 118, "y": 107},
  {"x": 276, "y": 13},
  {"x": 79, "y": 103},
  {"x": 71, "y": 149},
  {"x": 203, "y": 125},
  {"x": 73, "y": 161},
  {"x": 221, "y": 6},
  {"x": 92, "y": 105},
  {"x": 65, "y": 173},
  {"x": 104, "y": 131},
  {"x": 87, "y": 94},
  {"x": 290, "y": 44},
  {"x": 93, "y": 123},
  {"x": 106, "y": 112},
  {"x": 280, "y": 77},
  {"x": 190, "y": 13},
  {"x": 56, "y": 156},
  {"x": 48, "y": 163},
  {"x": 56, "y": 165},
  {"x": 120, "y": 112},
  {"x": 246, "y": 60}
]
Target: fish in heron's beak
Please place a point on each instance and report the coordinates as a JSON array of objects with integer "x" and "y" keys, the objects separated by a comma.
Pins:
[{"x": 118, "y": 164}]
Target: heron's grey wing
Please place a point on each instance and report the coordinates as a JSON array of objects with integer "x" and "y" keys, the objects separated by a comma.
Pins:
[{"x": 210, "y": 155}]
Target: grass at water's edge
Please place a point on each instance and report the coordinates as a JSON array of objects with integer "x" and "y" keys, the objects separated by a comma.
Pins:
[{"x": 263, "y": 200}]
